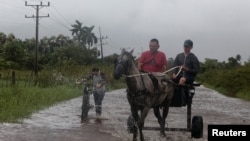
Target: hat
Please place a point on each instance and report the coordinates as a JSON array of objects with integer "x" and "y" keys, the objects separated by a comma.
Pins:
[{"x": 188, "y": 43}]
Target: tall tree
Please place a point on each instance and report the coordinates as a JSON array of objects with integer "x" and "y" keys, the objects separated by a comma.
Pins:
[
  {"x": 83, "y": 34},
  {"x": 90, "y": 37},
  {"x": 44, "y": 45},
  {"x": 11, "y": 37},
  {"x": 233, "y": 62},
  {"x": 78, "y": 31},
  {"x": 14, "y": 52},
  {"x": 30, "y": 44},
  {"x": 238, "y": 58},
  {"x": 62, "y": 40}
]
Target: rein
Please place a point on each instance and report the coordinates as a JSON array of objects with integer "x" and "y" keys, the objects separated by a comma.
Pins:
[{"x": 134, "y": 75}]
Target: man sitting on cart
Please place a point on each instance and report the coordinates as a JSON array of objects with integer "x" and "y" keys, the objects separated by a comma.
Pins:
[{"x": 188, "y": 63}]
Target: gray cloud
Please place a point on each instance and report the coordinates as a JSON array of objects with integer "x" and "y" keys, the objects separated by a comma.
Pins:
[{"x": 219, "y": 28}]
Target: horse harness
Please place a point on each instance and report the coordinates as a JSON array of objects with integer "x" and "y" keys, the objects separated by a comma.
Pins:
[{"x": 138, "y": 98}]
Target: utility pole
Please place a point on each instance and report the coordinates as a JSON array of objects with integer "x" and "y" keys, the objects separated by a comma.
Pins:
[
  {"x": 101, "y": 43},
  {"x": 37, "y": 8}
]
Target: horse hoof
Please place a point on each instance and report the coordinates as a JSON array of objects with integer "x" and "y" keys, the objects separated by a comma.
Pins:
[
  {"x": 84, "y": 120},
  {"x": 162, "y": 134}
]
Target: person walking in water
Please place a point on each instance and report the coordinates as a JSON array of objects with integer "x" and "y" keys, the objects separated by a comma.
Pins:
[{"x": 98, "y": 90}]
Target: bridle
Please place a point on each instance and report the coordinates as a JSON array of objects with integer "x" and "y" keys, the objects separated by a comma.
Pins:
[{"x": 125, "y": 63}]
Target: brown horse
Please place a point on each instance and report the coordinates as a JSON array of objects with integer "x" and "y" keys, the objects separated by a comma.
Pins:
[{"x": 142, "y": 93}]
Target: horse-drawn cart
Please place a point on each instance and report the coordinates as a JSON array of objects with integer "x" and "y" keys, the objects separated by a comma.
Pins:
[
  {"x": 153, "y": 90},
  {"x": 183, "y": 96}
]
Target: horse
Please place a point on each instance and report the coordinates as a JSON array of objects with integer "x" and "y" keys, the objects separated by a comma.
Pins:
[{"x": 142, "y": 93}]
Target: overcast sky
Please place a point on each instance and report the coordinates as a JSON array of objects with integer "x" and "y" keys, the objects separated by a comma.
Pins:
[{"x": 219, "y": 28}]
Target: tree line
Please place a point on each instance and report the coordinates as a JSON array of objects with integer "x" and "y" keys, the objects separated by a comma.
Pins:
[
  {"x": 230, "y": 78},
  {"x": 80, "y": 49}
]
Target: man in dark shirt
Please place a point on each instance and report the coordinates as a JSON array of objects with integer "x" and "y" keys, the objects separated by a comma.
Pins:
[{"x": 188, "y": 63}]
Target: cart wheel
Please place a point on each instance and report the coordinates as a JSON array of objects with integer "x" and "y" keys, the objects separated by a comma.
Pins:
[{"x": 197, "y": 127}]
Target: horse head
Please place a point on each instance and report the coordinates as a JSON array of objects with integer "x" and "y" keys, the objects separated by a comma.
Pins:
[{"x": 122, "y": 63}]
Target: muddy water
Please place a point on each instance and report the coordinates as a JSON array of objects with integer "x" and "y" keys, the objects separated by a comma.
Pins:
[{"x": 62, "y": 121}]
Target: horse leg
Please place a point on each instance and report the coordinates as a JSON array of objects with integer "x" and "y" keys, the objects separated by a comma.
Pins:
[
  {"x": 136, "y": 118},
  {"x": 157, "y": 114},
  {"x": 163, "y": 121},
  {"x": 144, "y": 113}
]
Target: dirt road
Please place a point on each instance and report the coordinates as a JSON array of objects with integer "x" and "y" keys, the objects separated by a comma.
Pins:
[{"x": 62, "y": 122}]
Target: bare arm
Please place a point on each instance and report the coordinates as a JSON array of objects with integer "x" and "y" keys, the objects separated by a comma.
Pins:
[{"x": 164, "y": 68}]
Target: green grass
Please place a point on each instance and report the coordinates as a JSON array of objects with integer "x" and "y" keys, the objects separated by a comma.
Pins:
[
  {"x": 230, "y": 82},
  {"x": 244, "y": 95},
  {"x": 20, "y": 102},
  {"x": 21, "y": 99}
]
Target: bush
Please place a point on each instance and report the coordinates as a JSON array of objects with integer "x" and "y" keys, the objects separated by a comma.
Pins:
[{"x": 233, "y": 82}]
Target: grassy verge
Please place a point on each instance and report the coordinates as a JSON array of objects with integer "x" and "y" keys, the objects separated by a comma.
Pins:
[
  {"x": 20, "y": 99},
  {"x": 233, "y": 83},
  {"x": 243, "y": 94},
  {"x": 20, "y": 102}
]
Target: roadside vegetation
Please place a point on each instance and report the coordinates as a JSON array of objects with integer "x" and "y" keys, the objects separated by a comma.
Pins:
[
  {"x": 229, "y": 78},
  {"x": 19, "y": 102},
  {"x": 29, "y": 83},
  {"x": 21, "y": 97}
]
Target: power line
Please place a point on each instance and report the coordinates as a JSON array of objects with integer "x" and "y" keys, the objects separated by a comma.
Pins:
[
  {"x": 55, "y": 15},
  {"x": 101, "y": 43},
  {"x": 37, "y": 8},
  {"x": 65, "y": 19},
  {"x": 56, "y": 20}
]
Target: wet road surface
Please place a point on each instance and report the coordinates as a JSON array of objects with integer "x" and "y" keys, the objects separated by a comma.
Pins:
[{"x": 62, "y": 121}]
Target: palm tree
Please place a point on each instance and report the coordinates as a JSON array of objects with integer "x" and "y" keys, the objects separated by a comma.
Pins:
[
  {"x": 84, "y": 34},
  {"x": 90, "y": 37},
  {"x": 78, "y": 30}
]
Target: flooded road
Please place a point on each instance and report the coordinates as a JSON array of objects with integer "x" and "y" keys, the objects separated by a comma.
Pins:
[{"x": 62, "y": 121}]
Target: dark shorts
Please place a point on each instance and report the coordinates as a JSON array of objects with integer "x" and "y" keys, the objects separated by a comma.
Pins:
[{"x": 189, "y": 80}]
